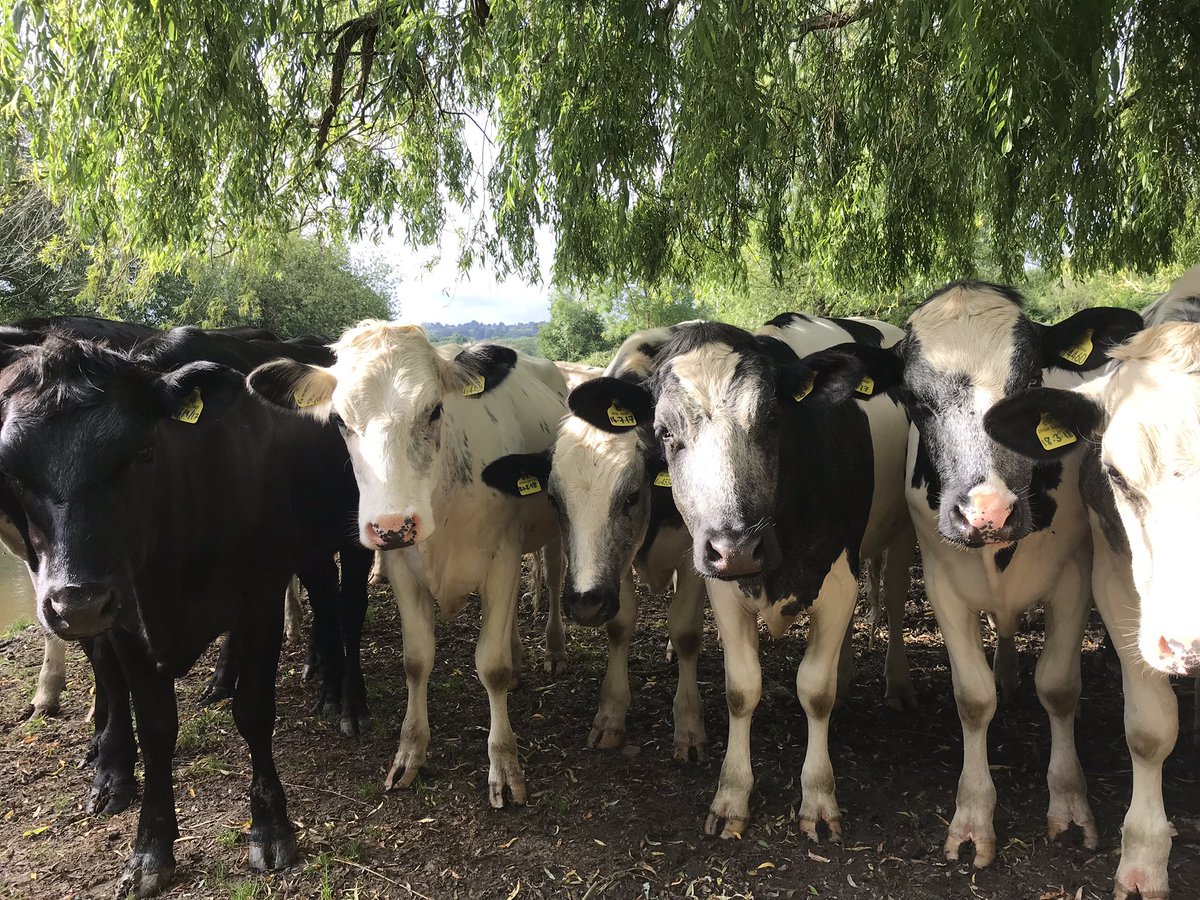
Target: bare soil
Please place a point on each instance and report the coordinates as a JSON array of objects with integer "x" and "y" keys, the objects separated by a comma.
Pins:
[{"x": 622, "y": 824}]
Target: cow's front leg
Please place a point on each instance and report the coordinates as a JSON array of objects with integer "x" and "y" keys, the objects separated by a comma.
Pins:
[
  {"x": 685, "y": 624},
  {"x": 1151, "y": 728},
  {"x": 1058, "y": 683},
  {"x": 975, "y": 694},
  {"x": 352, "y": 613},
  {"x": 152, "y": 864},
  {"x": 272, "y": 840},
  {"x": 416, "y": 624},
  {"x": 556, "y": 634},
  {"x": 51, "y": 679},
  {"x": 737, "y": 623},
  {"x": 493, "y": 662},
  {"x": 113, "y": 787},
  {"x": 899, "y": 693},
  {"x": 816, "y": 686},
  {"x": 608, "y": 728}
]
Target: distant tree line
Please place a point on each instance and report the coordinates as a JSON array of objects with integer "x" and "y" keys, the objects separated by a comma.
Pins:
[{"x": 480, "y": 331}]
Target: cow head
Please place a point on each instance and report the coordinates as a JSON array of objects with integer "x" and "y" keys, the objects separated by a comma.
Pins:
[
  {"x": 968, "y": 347},
  {"x": 391, "y": 393},
  {"x": 1143, "y": 415},
  {"x": 81, "y": 435},
  {"x": 719, "y": 392}
]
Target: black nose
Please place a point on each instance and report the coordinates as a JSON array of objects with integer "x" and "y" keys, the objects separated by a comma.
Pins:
[
  {"x": 80, "y": 610},
  {"x": 734, "y": 555},
  {"x": 592, "y": 607}
]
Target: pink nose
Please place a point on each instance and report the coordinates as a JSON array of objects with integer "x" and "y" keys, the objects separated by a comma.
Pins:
[
  {"x": 392, "y": 532},
  {"x": 986, "y": 511}
]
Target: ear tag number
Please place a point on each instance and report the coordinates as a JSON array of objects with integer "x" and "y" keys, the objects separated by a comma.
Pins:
[
  {"x": 192, "y": 407},
  {"x": 806, "y": 388},
  {"x": 474, "y": 387},
  {"x": 662, "y": 479},
  {"x": 620, "y": 416},
  {"x": 1079, "y": 352},
  {"x": 528, "y": 484},
  {"x": 866, "y": 387},
  {"x": 304, "y": 399},
  {"x": 1052, "y": 435}
]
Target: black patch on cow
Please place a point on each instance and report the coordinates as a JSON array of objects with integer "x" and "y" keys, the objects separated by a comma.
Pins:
[
  {"x": 925, "y": 474},
  {"x": 1097, "y": 493},
  {"x": 1109, "y": 326},
  {"x": 592, "y": 400},
  {"x": 492, "y": 361},
  {"x": 783, "y": 320},
  {"x": 1013, "y": 421},
  {"x": 1005, "y": 555},
  {"x": 860, "y": 332},
  {"x": 506, "y": 473}
]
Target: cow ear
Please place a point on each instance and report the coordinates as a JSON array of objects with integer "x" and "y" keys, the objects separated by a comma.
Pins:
[
  {"x": 612, "y": 404},
  {"x": 884, "y": 369},
  {"x": 825, "y": 378},
  {"x": 519, "y": 474},
  {"x": 200, "y": 392},
  {"x": 1081, "y": 343},
  {"x": 480, "y": 368},
  {"x": 1043, "y": 423},
  {"x": 295, "y": 386}
]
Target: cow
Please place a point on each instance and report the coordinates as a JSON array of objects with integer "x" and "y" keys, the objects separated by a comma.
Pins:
[
  {"x": 419, "y": 422},
  {"x": 163, "y": 509},
  {"x": 1136, "y": 445},
  {"x": 997, "y": 532}
]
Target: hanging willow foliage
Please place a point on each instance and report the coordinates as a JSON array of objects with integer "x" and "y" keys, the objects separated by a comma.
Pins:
[{"x": 870, "y": 138}]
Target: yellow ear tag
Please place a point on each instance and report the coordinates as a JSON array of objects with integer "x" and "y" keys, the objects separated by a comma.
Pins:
[
  {"x": 474, "y": 387},
  {"x": 620, "y": 416},
  {"x": 662, "y": 479},
  {"x": 866, "y": 387},
  {"x": 304, "y": 399},
  {"x": 191, "y": 409},
  {"x": 1052, "y": 435},
  {"x": 1079, "y": 352},
  {"x": 806, "y": 388},
  {"x": 528, "y": 484}
]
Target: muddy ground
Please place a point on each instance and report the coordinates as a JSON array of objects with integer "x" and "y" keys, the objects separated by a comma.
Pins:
[{"x": 622, "y": 824}]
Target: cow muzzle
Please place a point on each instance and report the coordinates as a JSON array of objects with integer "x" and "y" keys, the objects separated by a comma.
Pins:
[
  {"x": 985, "y": 517},
  {"x": 393, "y": 532},
  {"x": 591, "y": 608},
  {"x": 77, "y": 611},
  {"x": 735, "y": 554},
  {"x": 1172, "y": 654}
]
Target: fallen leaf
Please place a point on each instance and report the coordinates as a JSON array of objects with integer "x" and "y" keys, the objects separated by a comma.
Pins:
[
  {"x": 816, "y": 858},
  {"x": 34, "y": 832},
  {"x": 515, "y": 891}
]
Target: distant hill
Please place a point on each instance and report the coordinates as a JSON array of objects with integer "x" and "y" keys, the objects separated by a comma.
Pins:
[{"x": 480, "y": 331}]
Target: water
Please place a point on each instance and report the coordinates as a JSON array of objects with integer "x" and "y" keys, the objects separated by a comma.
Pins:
[{"x": 16, "y": 593}]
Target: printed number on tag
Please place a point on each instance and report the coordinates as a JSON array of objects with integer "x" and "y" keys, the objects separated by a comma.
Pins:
[
  {"x": 806, "y": 388},
  {"x": 866, "y": 387},
  {"x": 620, "y": 416},
  {"x": 528, "y": 484},
  {"x": 1079, "y": 352},
  {"x": 662, "y": 479},
  {"x": 1053, "y": 435},
  {"x": 191, "y": 409},
  {"x": 474, "y": 386}
]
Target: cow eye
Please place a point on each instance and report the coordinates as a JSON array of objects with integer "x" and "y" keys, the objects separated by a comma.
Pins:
[
  {"x": 435, "y": 414},
  {"x": 632, "y": 499},
  {"x": 1116, "y": 478},
  {"x": 553, "y": 502}
]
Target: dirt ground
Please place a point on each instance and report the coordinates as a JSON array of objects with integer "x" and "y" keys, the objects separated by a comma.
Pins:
[{"x": 622, "y": 824}]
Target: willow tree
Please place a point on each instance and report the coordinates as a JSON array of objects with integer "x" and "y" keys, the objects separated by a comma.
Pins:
[{"x": 656, "y": 138}]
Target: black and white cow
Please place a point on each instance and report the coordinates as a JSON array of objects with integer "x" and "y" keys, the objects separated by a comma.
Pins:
[
  {"x": 1137, "y": 437},
  {"x": 162, "y": 510},
  {"x": 999, "y": 533},
  {"x": 420, "y": 422}
]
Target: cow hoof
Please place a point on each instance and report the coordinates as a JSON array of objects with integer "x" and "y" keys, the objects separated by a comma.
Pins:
[
  {"x": 689, "y": 750},
  {"x": 1139, "y": 883},
  {"x": 810, "y": 825},
  {"x": 507, "y": 788},
  {"x": 309, "y": 672},
  {"x": 724, "y": 827},
  {"x": 273, "y": 854},
  {"x": 408, "y": 764},
  {"x": 901, "y": 698},
  {"x": 110, "y": 795},
  {"x": 670, "y": 651},
  {"x": 45, "y": 710},
  {"x": 145, "y": 877},
  {"x": 214, "y": 692},
  {"x": 985, "y": 848},
  {"x": 329, "y": 710},
  {"x": 1055, "y": 828},
  {"x": 605, "y": 737},
  {"x": 556, "y": 664},
  {"x": 355, "y": 725}
]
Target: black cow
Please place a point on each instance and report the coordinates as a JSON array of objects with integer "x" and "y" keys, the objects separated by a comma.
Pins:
[{"x": 164, "y": 509}]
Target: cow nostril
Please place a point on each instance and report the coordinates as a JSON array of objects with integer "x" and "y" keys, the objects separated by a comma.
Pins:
[{"x": 711, "y": 553}]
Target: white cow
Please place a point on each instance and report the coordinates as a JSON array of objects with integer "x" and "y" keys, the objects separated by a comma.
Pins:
[
  {"x": 999, "y": 533},
  {"x": 420, "y": 422}
]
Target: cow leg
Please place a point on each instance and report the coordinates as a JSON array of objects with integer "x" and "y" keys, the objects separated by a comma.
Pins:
[
  {"x": 493, "y": 663},
  {"x": 556, "y": 635},
  {"x": 1151, "y": 728},
  {"x": 1059, "y": 683},
  {"x": 898, "y": 557},
  {"x": 975, "y": 695},
  {"x": 737, "y": 623},
  {"x": 320, "y": 579},
  {"x": 293, "y": 616},
  {"x": 537, "y": 578},
  {"x": 114, "y": 786},
  {"x": 685, "y": 624},
  {"x": 378, "y": 571},
  {"x": 51, "y": 679},
  {"x": 816, "y": 686},
  {"x": 352, "y": 613},
  {"x": 847, "y": 669},
  {"x": 272, "y": 840},
  {"x": 608, "y": 729},
  {"x": 416, "y": 624},
  {"x": 1006, "y": 662},
  {"x": 152, "y": 864},
  {"x": 224, "y": 677}
]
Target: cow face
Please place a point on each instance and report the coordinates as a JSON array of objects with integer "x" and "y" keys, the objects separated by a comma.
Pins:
[
  {"x": 391, "y": 393},
  {"x": 81, "y": 449},
  {"x": 1144, "y": 415},
  {"x": 968, "y": 347},
  {"x": 717, "y": 393}
]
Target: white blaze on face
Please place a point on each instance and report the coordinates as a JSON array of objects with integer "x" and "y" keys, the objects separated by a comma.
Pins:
[
  {"x": 1151, "y": 450},
  {"x": 593, "y": 472}
]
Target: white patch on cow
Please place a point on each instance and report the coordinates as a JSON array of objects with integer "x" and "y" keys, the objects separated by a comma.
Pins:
[{"x": 969, "y": 330}]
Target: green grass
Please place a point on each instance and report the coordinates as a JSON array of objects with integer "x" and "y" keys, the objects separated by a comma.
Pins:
[
  {"x": 18, "y": 625},
  {"x": 230, "y": 837},
  {"x": 201, "y": 733}
]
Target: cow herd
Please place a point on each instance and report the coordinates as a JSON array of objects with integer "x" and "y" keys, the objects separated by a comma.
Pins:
[{"x": 164, "y": 488}]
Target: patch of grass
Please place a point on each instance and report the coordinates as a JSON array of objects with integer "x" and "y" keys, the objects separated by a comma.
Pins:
[
  {"x": 246, "y": 890},
  {"x": 323, "y": 863},
  {"x": 34, "y": 724},
  {"x": 18, "y": 625},
  {"x": 230, "y": 837},
  {"x": 366, "y": 791},
  {"x": 201, "y": 732},
  {"x": 210, "y": 765}
]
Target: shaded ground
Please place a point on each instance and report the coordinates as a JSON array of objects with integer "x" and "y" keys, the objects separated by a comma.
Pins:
[{"x": 623, "y": 824}]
